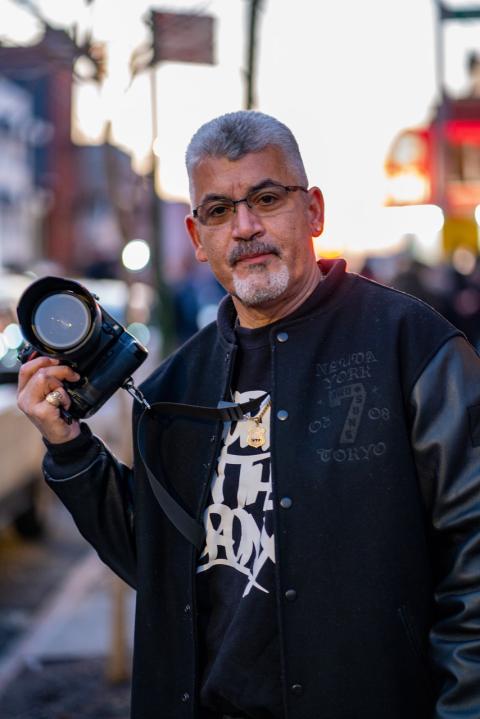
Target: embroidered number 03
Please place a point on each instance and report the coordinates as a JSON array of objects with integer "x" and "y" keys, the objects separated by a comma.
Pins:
[{"x": 355, "y": 394}]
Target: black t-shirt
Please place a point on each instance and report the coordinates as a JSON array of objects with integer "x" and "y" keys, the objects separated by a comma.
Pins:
[
  {"x": 238, "y": 628},
  {"x": 235, "y": 581}
]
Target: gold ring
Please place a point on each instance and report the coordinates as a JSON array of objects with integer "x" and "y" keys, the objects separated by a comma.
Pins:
[{"x": 54, "y": 398}]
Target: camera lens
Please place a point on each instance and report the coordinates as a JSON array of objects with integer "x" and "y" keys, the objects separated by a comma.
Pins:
[{"x": 61, "y": 321}]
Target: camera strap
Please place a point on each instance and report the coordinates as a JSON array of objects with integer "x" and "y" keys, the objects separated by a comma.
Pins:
[{"x": 187, "y": 525}]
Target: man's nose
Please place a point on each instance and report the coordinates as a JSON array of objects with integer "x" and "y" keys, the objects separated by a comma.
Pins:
[{"x": 245, "y": 224}]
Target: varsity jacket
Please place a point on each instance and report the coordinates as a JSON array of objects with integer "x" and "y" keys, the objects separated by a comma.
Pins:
[{"x": 376, "y": 491}]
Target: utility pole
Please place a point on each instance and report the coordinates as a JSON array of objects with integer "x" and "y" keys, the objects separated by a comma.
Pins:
[
  {"x": 177, "y": 37},
  {"x": 253, "y": 8},
  {"x": 165, "y": 318},
  {"x": 441, "y": 115}
]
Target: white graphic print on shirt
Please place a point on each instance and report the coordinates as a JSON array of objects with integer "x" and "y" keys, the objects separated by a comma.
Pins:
[{"x": 238, "y": 517}]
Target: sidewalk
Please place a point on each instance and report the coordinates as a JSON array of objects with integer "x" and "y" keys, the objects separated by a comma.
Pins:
[{"x": 59, "y": 671}]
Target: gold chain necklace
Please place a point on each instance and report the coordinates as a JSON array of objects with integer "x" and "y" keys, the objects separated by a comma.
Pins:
[{"x": 257, "y": 434}]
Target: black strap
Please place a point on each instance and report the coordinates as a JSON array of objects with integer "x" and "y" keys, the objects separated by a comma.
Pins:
[
  {"x": 186, "y": 525},
  {"x": 226, "y": 411},
  {"x": 192, "y": 530}
]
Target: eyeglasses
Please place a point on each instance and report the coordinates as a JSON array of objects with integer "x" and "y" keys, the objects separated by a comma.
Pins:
[{"x": 261, "y": 201}]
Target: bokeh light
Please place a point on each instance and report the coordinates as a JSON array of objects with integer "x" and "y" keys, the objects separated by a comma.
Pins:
[
  {"x": 136, "y": 255},
  {"x": 12, "y": 336}
]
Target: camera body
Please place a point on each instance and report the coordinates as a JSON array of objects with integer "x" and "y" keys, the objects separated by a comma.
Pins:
[{"x": 60, "y": 318}]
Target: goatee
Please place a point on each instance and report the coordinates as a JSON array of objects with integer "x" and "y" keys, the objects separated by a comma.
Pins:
[{"x": 261, "y": 285}]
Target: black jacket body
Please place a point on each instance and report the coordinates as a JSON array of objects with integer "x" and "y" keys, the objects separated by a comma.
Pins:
[{"x": 376, "y": 446}]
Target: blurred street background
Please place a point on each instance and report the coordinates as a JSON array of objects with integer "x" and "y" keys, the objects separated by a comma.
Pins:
[{"x": 98, "y": 100}]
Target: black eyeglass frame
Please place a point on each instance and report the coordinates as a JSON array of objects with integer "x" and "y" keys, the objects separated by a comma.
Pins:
[{"x": 234, "y": 203}]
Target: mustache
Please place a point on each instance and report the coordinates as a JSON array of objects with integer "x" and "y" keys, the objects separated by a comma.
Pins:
[{"x": 251, "y": 248}]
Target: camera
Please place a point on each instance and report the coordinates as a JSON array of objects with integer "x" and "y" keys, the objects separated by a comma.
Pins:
[{"x": 60, "y": 318}]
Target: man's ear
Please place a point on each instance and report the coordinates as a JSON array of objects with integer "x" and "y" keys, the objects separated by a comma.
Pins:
[
  {"x": 316, "y": 210},
  {"x": 192, "y": 230}
]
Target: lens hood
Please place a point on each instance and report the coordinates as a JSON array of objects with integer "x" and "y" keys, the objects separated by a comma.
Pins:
[{"x": 59, "y": 317}]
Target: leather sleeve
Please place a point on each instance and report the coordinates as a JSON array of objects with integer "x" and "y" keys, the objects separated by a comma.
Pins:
[
  {"x": 445, "y": 403},
  {"x": 97, "y": 490}
]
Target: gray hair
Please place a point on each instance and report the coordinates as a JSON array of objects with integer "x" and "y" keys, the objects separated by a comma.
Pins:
[{"x": 239, "y": 133}]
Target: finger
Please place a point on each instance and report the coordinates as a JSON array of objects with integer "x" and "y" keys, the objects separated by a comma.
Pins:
[
  {"x": 44, "y": 414},
  {"x": 63, "y": 398},
  {"x": 33, "y": 402},
  {"x": 51, "y": 425},
  {"x": 42, "y": 406},
  {"x": 28, "y": 369},
  {"x": 45, "y": 379}
]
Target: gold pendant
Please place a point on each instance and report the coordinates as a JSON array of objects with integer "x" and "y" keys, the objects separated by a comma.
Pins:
[{"x": 256, "y": 436}]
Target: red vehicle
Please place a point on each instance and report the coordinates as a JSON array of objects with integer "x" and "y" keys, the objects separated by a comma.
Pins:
[{"x": 440, "y": 164}]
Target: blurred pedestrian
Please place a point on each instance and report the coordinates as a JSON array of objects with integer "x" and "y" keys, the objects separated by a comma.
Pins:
[{"x": 318, "y": 552}]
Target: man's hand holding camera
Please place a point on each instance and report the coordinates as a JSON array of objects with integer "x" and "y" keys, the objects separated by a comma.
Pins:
[
  {"x": 38, "y": 379},
  {"x": 64, "y": 326}
]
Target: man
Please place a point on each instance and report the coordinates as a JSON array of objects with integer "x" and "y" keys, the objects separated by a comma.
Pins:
[{"x": 340, "y": 574}]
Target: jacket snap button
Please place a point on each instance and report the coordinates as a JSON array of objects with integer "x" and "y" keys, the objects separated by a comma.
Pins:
[
  {"x": 296, "y": 689},
  {"x": 286, "y": 502},
  {"x": 187, "y": 609},
  {"x": 282, "y": 336},
  {"x": 185, "y": 697},
  {"x": 290, "y": 595},
  {"x": 282, "y": 415}
]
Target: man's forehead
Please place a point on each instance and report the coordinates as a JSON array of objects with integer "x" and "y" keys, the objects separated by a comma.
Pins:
[{"x": 222, "y": 176}]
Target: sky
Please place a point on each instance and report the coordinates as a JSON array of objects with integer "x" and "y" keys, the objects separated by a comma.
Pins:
[{"x": 345, "y": 76}]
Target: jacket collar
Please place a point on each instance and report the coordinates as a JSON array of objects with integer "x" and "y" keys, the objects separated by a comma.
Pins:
[{"x": 334, "y": 272}]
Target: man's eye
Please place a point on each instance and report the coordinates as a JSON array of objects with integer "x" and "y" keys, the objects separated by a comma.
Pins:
[
  {"x": 218, "y": 210},
  {"x": 266, "y": 199}
]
